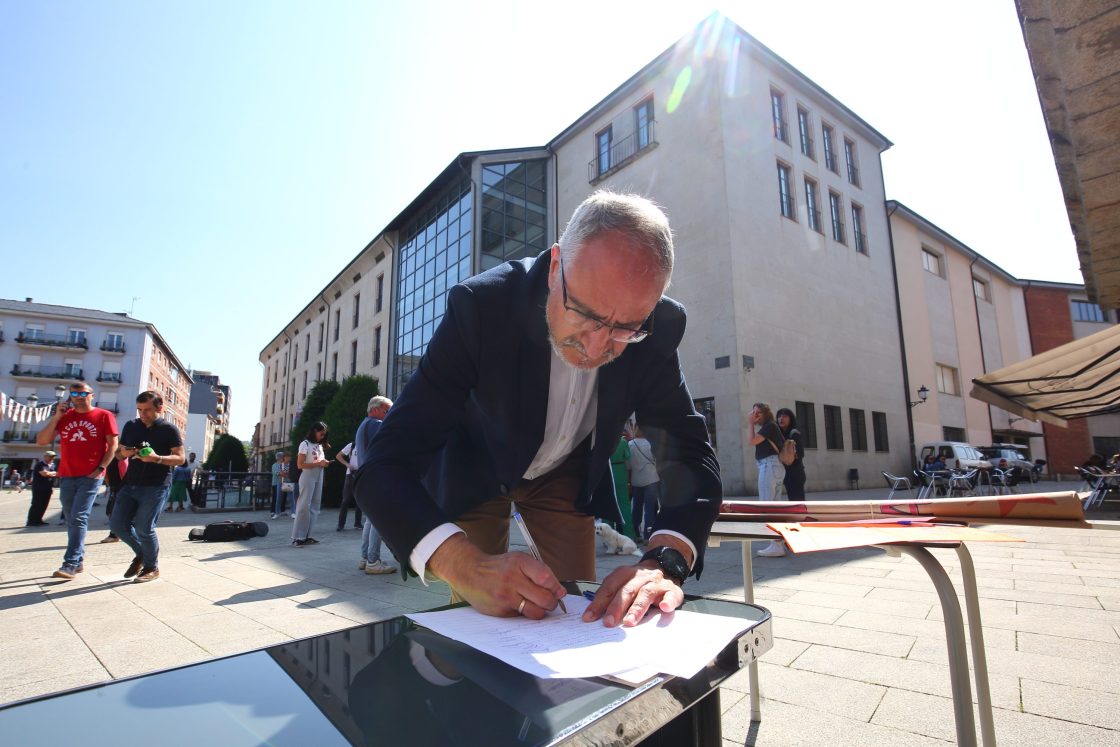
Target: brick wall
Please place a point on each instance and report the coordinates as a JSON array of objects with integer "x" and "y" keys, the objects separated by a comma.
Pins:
[{"x": 1050, "y": 323}]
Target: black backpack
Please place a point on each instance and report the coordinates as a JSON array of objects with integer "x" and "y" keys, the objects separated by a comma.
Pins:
[{"x": 229, "y": 531}]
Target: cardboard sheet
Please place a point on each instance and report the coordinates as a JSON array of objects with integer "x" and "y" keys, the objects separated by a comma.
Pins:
[{"x": 813, "y": 537}]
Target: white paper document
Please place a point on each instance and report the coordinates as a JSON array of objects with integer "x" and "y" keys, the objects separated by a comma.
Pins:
[{"x": 562, "y": 645}]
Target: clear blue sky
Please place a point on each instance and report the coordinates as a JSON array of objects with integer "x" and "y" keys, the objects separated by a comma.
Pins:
[{"x": 221, "y": 161}]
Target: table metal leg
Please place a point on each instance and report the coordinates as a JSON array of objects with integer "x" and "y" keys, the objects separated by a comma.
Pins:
[
  {"x": 954, "y": 635},
  {"x": 979, "y": 657},
  {"x": 748, "y": 597}
]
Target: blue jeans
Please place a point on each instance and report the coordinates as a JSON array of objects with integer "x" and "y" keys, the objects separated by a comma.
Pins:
[
  {"x": 77, "y": 495},
  {"x": 643, "y": 499},
  {"x": 134, "y": 519},
  {"x": 771, "y": 472},
  {"x": 279, "y": 499},
  {"x": 371, "y": 541}
]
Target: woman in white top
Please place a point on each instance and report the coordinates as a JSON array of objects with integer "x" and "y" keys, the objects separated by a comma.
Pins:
[
  {"x": 645, "y": 485},
  {"x": 312, "y": 459}
]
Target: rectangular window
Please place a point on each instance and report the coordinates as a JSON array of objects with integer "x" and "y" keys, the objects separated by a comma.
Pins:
[
  {"x": 812, "y": 205},
  {"x": 981, "y": 289},
  {"x": 805, "y": 132},
  {"x": 337, "y": 322},
  {"x": 114, "y": 341},
  {"x": 879, "y": 425},
  {"x": 357, "y": 305},
  {"x": 304, "y": 395},
  {"x": 829, "y": 148},
  {"x": 836, "y": 211},
  {"x": 334, "y": 366},
  {"x": 858, "y": 422},
  {"x": 949, "y": 433},
  {"x": 833, "y": 428},
  {"x": 318, "y": 372},
  {"x": 320, "y": 337},
  {"x": 778, "y": 112},
  {"x": 380, "y": 292},
  {"x": 377, "y": 346},
  {"x": 1083, "y": 311},
  {"x": 306, "y": 347},
  {"x": 931, "y": 262},
  {"x": 850, "y": 161},
  {"x": 33, "y": 332},
  {"x": 292, "y": 393},
  {"x": 603, "y": 150},
  {"x": 947, "y": 381},
  {"x": 807, "y": 423},
  {"x": 785, "y": 197},
  {"x": 858, "y": 236},
  {"x": 353, "y": 357},
  {"x": 643, "y": 123},
  {"x": 295, "y": 352},
  {"x": 72, "y": 368},
  {"x": 76, "y": 337}
]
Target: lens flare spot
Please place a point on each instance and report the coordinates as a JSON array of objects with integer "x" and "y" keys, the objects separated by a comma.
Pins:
[{"x": 684, "y": 77}]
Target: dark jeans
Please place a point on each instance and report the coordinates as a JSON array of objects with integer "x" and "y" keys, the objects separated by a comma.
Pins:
[
  {"x": 134, "y": 519},
  {"x": 347, "y": 499},
  {"x": 795, "y": 482},
  {"x": 643, "y": 499},
  {"x": 40, "y": 497}
]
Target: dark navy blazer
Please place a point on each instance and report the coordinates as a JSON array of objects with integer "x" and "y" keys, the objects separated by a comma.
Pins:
[{"x": 471, "y": 419}]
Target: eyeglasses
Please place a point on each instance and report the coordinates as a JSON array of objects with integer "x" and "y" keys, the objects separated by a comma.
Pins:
[
  {"x": 594, "y": 324},
  {"x": 80, "y": 395}
]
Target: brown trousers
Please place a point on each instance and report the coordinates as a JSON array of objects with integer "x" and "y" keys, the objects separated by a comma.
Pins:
[{"x": 564, "y": 535}]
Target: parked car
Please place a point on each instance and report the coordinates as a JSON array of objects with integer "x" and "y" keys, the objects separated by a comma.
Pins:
[
  {"x": 955, "y": 455},
  {"x": 1011, "y": 456}
]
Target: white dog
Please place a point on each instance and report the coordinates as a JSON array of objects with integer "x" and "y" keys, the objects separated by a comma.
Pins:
[{"x": 618, "y": 544}]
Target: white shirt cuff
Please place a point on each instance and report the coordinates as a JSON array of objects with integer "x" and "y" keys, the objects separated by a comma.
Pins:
[
  {"x": 426, "y": 547},
  {"x": 682, "y": 538}
]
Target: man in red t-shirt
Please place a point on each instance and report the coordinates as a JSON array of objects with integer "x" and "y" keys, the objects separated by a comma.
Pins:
[{"x": 88, "y": 437}]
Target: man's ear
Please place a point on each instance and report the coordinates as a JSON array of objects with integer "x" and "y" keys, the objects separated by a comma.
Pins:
[{"x": 553, "y": 266}]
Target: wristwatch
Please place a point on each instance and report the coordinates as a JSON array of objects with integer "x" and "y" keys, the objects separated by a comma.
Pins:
[{"x": 672, "y": 563}]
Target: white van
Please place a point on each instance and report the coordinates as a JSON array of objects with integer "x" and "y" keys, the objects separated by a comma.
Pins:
[{"x": 955, "y": 455}]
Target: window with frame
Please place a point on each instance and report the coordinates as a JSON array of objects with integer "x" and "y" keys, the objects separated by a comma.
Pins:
[
  {"x": 306, "y": 347},
  {"x": 879, "y": 426},
  {"x": 1083, "y": 311},
  {"x": 828, "y": 137},
  {"x": 833, "y": 428},
  {"x": 857, "y": 421},
  {"x": 73, "y": 368},
  {"x": 948, "y": 381},
  {"x": 931, "y": 263},
  {"x": 778, "y": 112},
  {"x": 353, "y": 357},
  {"x": 785, "y": 196},
  {"x": 805, "y": 131},
  {"x": 357, "y": 306},
  {"x": 76, "y": 336},
  {"x": 812, "y": 205},
  {"x": 33, "y": 332},
  {"x": 295, "y": 352},
  {"x": 380, "y": 293},
  {"x": 377, "y": 345},
  {"x": 603, "y": 141},
  {"x": 643, "y": 123},
  {"x": 334, "y": 366},
  {"x": 304, "y": 395},
  {"x": 337, "y": 322},
  {"x": 114, "y": 341},
  {"x": 850, "y": 159},
  {"x": 836, "y": 212},
  {"x": 949, "y": 433},
  {"x": 707, "y": 408},
  {"x": 981, "y": 289},
  {"x": 292, "y": 393},
  {"x": 859, "y": 238},
  {"x": 807, "y": 423},
  {"x": 320, "y": 337},
  {"x": 318, "y": 372}
]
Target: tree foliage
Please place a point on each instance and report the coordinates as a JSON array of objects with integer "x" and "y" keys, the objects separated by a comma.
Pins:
[
  {"x": 344, "y": 413},
  {"x": 227, "y": 455},
  {"x": 314, "y": 407}
]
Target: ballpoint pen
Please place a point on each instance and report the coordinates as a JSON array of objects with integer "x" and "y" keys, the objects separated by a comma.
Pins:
[{"x": 533, "y": 548}]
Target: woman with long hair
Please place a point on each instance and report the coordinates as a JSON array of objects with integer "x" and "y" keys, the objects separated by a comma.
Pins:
[
  {"x": 767, "y": 440},
  {"x": 795, "y": 473},
  {"x": 311, "y": 460}
]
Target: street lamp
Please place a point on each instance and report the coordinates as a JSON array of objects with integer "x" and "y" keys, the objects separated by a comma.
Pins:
[
  {"x": 32, "y": 400},
  {"x": 923, "y": 395}
]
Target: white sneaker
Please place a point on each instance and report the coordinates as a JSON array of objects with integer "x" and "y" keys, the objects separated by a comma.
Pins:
[
  {"x": 773, "y": 550},
  {"x": 362, "y": 564},
  {"x": 379, "y": 567},
  {"x": 273, "y": 516}
]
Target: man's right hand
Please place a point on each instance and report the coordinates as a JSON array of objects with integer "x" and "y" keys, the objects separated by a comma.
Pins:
[{"x": 496, "y": 584}]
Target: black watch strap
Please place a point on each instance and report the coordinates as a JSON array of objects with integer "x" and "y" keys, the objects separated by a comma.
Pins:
[{"x": 672, "y": 563}]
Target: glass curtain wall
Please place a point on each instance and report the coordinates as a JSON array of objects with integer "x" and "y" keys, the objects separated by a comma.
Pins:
[{"x": 513, "y": 212}]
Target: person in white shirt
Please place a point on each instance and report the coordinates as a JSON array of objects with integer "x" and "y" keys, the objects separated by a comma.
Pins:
[
  {"x": 645, "y": 485},
  {"x": 312, "y": 460}
]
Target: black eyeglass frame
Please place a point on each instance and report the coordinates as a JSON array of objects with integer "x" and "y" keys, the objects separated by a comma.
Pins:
[{"x": 627, "y": 335}]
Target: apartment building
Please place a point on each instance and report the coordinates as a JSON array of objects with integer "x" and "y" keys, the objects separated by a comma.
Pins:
[
  {"x": 962, "y": 317},
  {"x": 343, "y": 330},
  {"x": 43, "y": 346},
  {"x": 208, "y": 414},
  {"x": 1059, "y": 313}
]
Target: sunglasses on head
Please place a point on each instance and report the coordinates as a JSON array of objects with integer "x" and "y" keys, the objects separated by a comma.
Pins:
[{"x": 80, "y": 395}]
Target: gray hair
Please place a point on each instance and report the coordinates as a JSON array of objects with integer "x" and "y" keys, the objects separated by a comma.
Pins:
[
  {"x": 636, "y": 217},
  {"x": 378, "y": 401}
]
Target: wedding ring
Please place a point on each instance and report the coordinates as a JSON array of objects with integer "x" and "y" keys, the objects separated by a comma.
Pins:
[{"x": 521, "y": 607}]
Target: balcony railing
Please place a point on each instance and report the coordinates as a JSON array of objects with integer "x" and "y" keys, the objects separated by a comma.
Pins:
[
  {"x": 853, "y": 174},
  {"x": 838, "y": 231},
  {"x": 807, "y": 145},
  {"x": 19, "y": 437},
  {"x": 48, "y": 372},
  {"x": 621, "y": 153},
  {"x": 787, "y": 205},
  {"x": 53, "y": 341},
  {"x": 860, "y": 240},
  {"x": 110, "y": 347},
  {"x": 830, "y": 159},
  {"x": 112, "y": 407},
  {"x": 814, "y": 216},
  {"x": 781, "y": 130},
  {"x": 111, "y": 377}
]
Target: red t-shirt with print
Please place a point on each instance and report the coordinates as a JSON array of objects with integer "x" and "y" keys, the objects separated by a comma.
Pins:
[{"x": 82, "y": 440}]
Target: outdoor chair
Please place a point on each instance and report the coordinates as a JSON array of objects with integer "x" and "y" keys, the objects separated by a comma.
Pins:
[
  {"x": 930, "y": 484},
  {"x": 963, "y": 482},
  {"x": 897, "y": 483},
  {"x": 1003, "y": 482}
]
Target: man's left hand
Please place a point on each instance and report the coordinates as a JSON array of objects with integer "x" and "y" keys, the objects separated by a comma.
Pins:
[
  {"x": 150, "y": 458},
  {"x": 628, "y": 592}
]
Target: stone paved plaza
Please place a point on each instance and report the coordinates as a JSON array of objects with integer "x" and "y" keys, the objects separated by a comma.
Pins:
[{"x": 859, "y": 656}]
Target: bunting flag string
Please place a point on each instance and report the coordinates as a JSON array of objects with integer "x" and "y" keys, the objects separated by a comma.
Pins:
[{"x": 19, "y": 413}]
